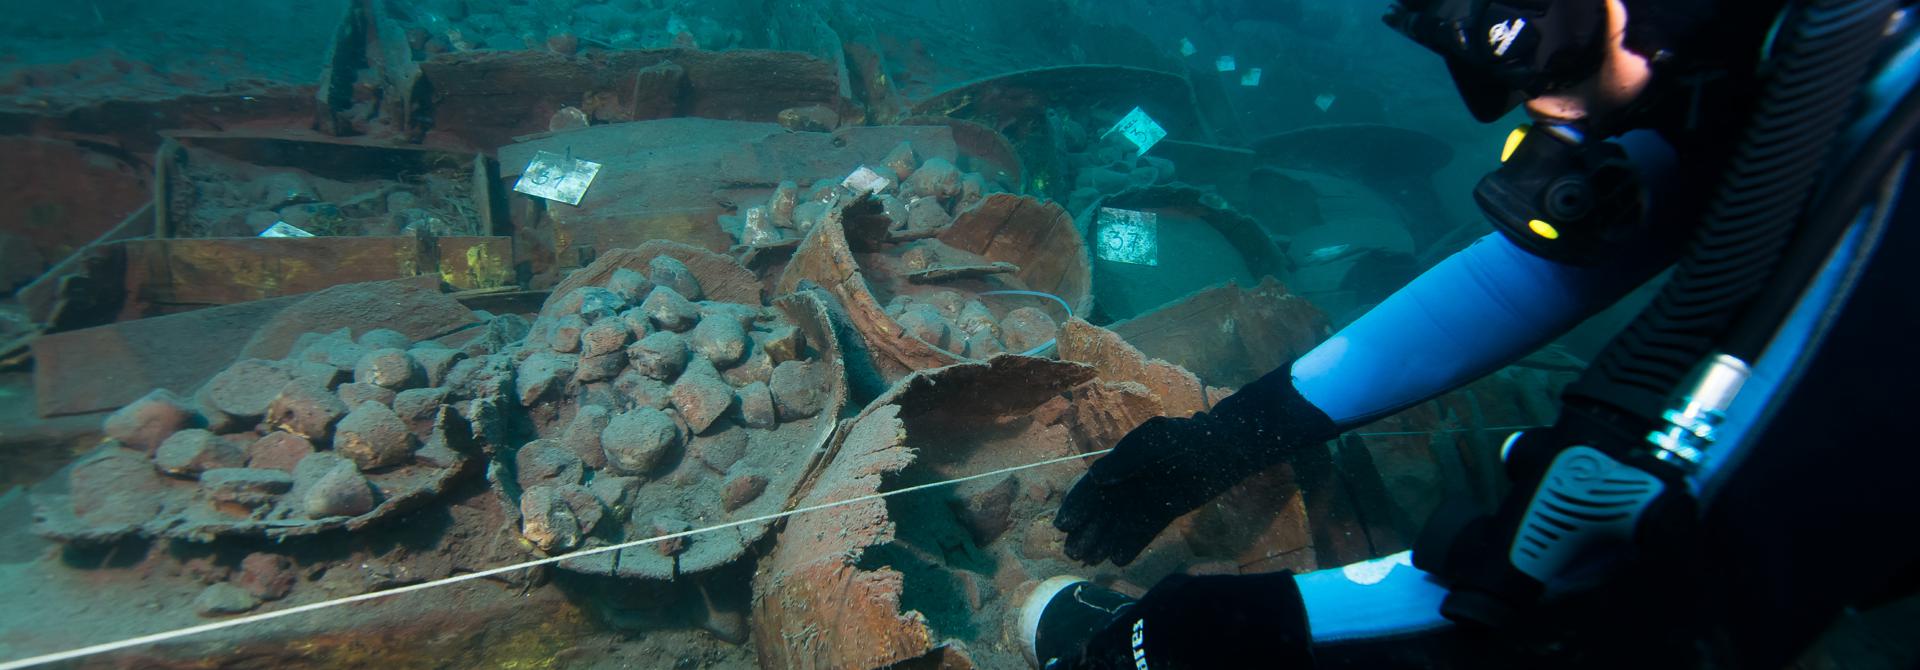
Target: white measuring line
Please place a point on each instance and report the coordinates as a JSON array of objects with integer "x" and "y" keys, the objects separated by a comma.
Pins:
[
  {"x": 328, "y": 604},
  {"x": 456, "y": 579}
]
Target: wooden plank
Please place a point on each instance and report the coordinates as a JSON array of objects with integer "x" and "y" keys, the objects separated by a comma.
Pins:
[
  {"x": 224, "y": 271},
  {"x": 163, "y": 275},
  {"x": 43, "y": 296},
  {"x": 103, "y": 368}
]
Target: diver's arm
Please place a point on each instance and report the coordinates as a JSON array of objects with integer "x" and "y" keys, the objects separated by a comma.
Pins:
[
  {"x": 1482, "y": 309},
  {"x": 1472, "y": 314}
]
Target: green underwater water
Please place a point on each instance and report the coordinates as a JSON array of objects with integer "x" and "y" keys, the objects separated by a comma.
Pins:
[{"x": 387, "y": 127}]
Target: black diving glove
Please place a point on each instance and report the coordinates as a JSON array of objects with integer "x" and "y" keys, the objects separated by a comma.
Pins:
[
  {"x": 1169, "y": 467},
  {"x": 1199, "y": 623}
]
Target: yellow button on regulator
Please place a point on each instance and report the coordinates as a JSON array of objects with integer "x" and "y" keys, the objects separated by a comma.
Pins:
[{"x": 1544, "y": 229}]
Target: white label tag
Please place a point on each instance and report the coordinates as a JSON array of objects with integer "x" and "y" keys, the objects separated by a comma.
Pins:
[
  {"x": 1187, "y": 48},
  {"x": 1127, "y": 236},
  {"x": 1226, "y": 64},
  {"x": 1324, "y": 102},
  {"x": 284, "y": 229},
  {"x": 1252, "y": 77},
  {"x": 1140, "y": 129},
  {"x": 557, "y": 178},
  {"x": 865, "y": 181}
]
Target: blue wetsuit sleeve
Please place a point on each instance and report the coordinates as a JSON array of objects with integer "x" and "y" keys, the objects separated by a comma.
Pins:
[
  {"x": 1472, "y": 314},
  {"x": 1480, "y": 310}
]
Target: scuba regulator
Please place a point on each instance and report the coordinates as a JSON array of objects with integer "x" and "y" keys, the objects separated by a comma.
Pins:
[{"x": 1564, "y": 198}]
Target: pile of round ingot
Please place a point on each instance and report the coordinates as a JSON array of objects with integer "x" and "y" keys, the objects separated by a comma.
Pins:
[
  {"x": 658, "y": 411},
  {"x": 342, "y": 432}
]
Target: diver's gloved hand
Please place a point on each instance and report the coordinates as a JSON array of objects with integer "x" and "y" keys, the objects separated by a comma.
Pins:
[
  {"x": 1196, "y": 623},
  {"x": 1168, "y": 467}
]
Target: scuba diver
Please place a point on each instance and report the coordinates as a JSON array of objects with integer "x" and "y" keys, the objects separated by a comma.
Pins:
[{"x": 1722, "y": 482}]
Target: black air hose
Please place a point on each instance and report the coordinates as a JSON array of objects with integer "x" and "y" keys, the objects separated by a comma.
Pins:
[{"x": 1820, "y": 60}]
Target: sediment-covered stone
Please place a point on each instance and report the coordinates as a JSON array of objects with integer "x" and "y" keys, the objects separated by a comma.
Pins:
[
  {"x": 374, "y": 437},
  {"x": 193, "y": 451},
  {"x": 669, "y": 310},
  {"x": 634, "y": 442},
  {"x": 148, "y": 422},
  {"x": 701, "y": 396},
  {"x": 307, "y": 410},
  {"x": 247, "y": 487},
  {"x": 799, "y": 389}
]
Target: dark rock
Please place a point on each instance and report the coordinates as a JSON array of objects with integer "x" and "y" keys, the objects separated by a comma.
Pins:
[
  {"x": 643, "y": 391},
  {"x": 925, "y": 322},
  {"x": 669, "y": 272},
  {"x": 780, "y": 206},
  {"x": 148, "y": 422},
  {"x": 615, "y": 492},
  {"x": 267, "y": 576},
  {"x": 437, "y": 455},
  {"x": 418, "y": 407},
  {"x": 985, "y": 507},
  {"x": 600, "y": 368},
  {"x": 483, "y": 377},
  {"x": 382, "y": 338},
  {"x": 741, "y": 489},
  {"x": 783, "y": 343},
  {"x": 565, "y": 336},
  {"x": 319, "y": 374},
  {"x": 587, "y": 509},
  {"x": 630, "y": 285},
  {"x": 634, "y": 442},
  {"x": 1027, "y": 328},
  {"x": 668, "y": 309},
  {"x": 973, "y": 189},
  {"x": 936, "y": 178},
  {"x": 307, "y": 410},
  {"x": 543, "y": 463},
  {"x": 756, "y": 407},
  {"x": 345, "y": 354},
  {"x": 436, "y": 362},
  {"x": 547, "y": 520},
  {"x": 388, "y": 368},
  {"x": 224, "y": 599},
  {"x": 355, "y": 394},
  {"x": 701, "y": 395},
  {"x": 950, "y": 303},
  {"x": 193, "y": 451},
  {"x": 902, "y": 161},
  {"x": 582, "y": 435},
  {"x": 504, "y": 330},
  {"x": 926, "y": 214},
  {"x": 326, "y": 485},
  {"x": 758, "y": 367},
  {"x": 637, "y": 323},
  {"x": 247, "y": 487},
  {"x": 976, "y": 318},
  {"x": 799, "y": 390},
  {"x": 660, "y": 356},
  {"x": 542, "y": 374},
  {"x": 605, "y": 337},
  {"x": 246, "y": 388},
  {"x": 721, "y": 341},
  {"x": 373, "y": 437},
  {"x": 720, "y": 451},
  {"x": 590, "y": 303},
  {"x": 665, "y": 524},
  {"x": 983, "y": 345},
  {"x": 279, "y": 450}
]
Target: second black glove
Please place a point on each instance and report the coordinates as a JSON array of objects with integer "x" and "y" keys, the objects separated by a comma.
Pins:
[{"x": 1168, "y": 467}]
